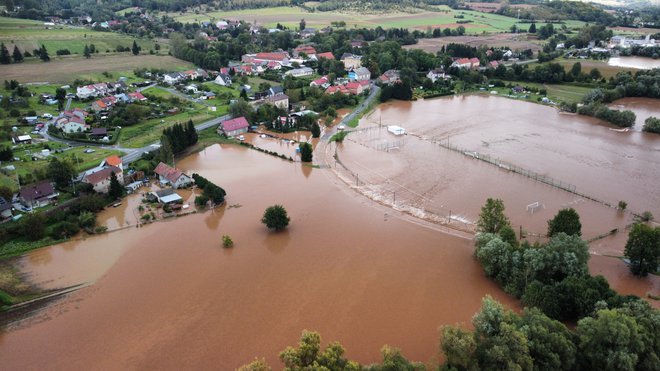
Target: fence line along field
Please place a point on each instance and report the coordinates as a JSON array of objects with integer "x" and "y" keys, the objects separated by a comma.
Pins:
[
  {"x": 443, "y": 17},
  {"x": 29, "y": 35},
  {"x": 65, "y": 70}
]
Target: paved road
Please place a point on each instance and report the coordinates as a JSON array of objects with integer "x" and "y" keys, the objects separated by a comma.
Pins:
[{"x": 372, "y": 95}]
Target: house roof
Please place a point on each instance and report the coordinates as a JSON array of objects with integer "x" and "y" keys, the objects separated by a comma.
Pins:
[
  {"x": 37, "y": 191},
  {"x": 99, "y": 131},
  {"x": 113, "y": 160},
  {"x": 277, "y": 98},
  {"x": 273, "y": 56},
  {"x": 321, "y": 81},
  {"x": 235, "y": 124},
  {"x": 101, "y": 175},
  {"x": 137, "y": 95},
  {"x": 326, "y": 55},
  {"x": 275, "y": 90},
  {"x": 307, "y": 49},
  {"x": 168, "y": 172},
  {"x": 4, "y": 205}
]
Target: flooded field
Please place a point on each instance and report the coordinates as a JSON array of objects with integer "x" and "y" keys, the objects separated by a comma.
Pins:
[
  {"x": 418, "y": 174},
  {"x": 641, "y": 63},
  {"x": 168, "y": 296}
]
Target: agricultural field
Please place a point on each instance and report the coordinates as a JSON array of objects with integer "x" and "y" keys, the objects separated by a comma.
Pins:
[
  {"x": 513, "y": 41},
  {"x": 29, "y": 35},
  {"x": 65, "y": 70},
  {"x": 588, "y": 64},
  {"x": 443, "y": 17}
]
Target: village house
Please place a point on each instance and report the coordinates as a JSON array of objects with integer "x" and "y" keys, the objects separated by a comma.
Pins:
[
  {"x": 234, "y": 127},
  {"x": 437, "y": 74},
  {"x": 113, "y": 160},
  {"x": 5, "y": 209},
  {"x": 171, "y": 176},
  {"x": 390, "y": 77},
  {"x": 360, "y": 74},
  {"x": 358, "y": 44},
  {"x": 308, "y": 50},
  {"x": 98, "y": 133},
  {"x": 326, "y": 55},
  {"x": 280, "y": 101},
  {"x": 104, "y": 103},
  {"x": 277, "y": 58},
  {"x": 21, "y": 139},
  {"x": 37, "y": 195},
  {"x": 323, "y": 82},
  {"x": 74, "y": 125},
  {"x": 223, "y": 79},
  {"x": 100, "y": 180},
  {"x": 466, "y": 63},
  {"x": 137, "y": 97},
  {"x": 307, "y": 32},
  {"x": 275, "y": 90},
  {"x": 300, "y": 72},
  {"x": 351, "y": 61},
  {"x": 172, "y": 78}
]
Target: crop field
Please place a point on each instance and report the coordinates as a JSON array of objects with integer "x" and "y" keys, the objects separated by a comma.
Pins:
[
  {"x": 29, "y": 35},
  {"x": 65, "y": 70},
  {"x": 443, "y": 17},
  {"x": 513, "y": 41}
]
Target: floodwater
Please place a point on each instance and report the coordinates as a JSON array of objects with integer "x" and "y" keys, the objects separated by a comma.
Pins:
[
  {"x": 413, "y": 173},
  {"x": 642, "y": 107},
  {"x": 168, "y": 296},
  {"x": 641, "y": 63}
]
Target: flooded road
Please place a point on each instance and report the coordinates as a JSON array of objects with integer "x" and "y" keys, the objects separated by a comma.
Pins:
[
  {"x": 172, "y": 298},
  {"x": 641, "y": 63}
]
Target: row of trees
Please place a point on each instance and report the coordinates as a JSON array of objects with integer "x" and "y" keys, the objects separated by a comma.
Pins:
[
  {"x": 6, "y": 58},
  {"x": 175, "y": 139},
  {"x": 624, "y": 119},
  {"x": 210, "y": 191}
]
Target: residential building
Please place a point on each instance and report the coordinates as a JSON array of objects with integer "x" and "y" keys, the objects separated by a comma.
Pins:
[
  {"x": 5, "y": 209},
  {"x": 437, "y": 74},
  {"x": 172, "y": 176},
  {"x": 323, "y": 82},
  {"x": 21, "y": 139},
  {"x": 99, "y": 132},
  {"x": 360, "y": 74},
  {"x": 351, "y": 61},
  {"x": 326, "y": 55},
  {"x": 172, "y": 78},
  {"x": 234, "y": 127},
  {"x": 165, "y": 197},
  {"x": 113, "y": 160},
  {"x": 307, "y": 32},
  {"x": 280, "y": 58},
  {"x": 308, "y": 50},
  {"x": 104, "y": 103},
  {"x": 74, "y": 126},
  {"x": 100, "y": 180},
  {"x": 280, "y": 101},
  {"x": 137, "y": 97},
  {"x": 223, "y": 79},
  {"x": 300, "y": 72},
  {"x": 390, "y": 77},
  {"x": 37, "y": 195},
  {"x": 275, "y": 90}
]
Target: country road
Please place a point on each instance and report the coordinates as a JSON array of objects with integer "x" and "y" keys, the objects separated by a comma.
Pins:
[{"x": 372, "y": 95}]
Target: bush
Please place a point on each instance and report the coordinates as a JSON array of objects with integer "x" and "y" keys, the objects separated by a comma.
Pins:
[
  {"x": 275, "y": 217},
  {"x": 201, "y": 201},
  {"x": 227, "y": 242}
]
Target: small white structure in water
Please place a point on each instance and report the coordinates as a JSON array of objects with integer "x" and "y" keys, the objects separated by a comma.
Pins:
[{"x": 396, "y": 130}]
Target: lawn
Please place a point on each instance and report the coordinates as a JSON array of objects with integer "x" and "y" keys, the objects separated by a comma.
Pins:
[
  {"x": 150, "y": 131},
  {"x": 556, "y": 92},
  {"x": 29, "y": 35},
  {"x": 26, "y": 167},
  {"x": 443, "y": 17}
]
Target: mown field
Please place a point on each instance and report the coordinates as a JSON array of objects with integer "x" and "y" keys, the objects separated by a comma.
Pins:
[
  {"x": 442, "y": 18},
  {"x": 513, "y": 41},
  {"x": 65, "y": 70},
  {"x": 29, "y": 35}
]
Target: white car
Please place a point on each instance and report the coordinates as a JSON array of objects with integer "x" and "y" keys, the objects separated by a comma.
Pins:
[
  {"x": 47, "y": 116},
  {"x": 341, "y": 127}
]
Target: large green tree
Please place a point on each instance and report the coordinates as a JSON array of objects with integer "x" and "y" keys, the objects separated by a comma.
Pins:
[
  {"x": 275, "y": 217},
  {"x": 567, "y": 221},
  {"x": 5, "y": 58},
  {"x": 116, "y": 190},
  {"x": 60, "y": 171},
  {"x": 135, "y": 48},
  {"x": 18, "y": 56},
  {"x": 492, "y": 218},
  {"x": 643, "y": 249},
  {"x": 306, "y": 150}
]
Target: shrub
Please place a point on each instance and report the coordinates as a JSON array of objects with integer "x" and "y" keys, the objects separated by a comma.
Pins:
[
  {"x": 227, "y": 242},
  {"x": 275, "y": 217}
]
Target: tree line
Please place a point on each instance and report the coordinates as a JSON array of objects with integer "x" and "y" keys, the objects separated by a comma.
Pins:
[
  {"x": 176, "y": 139},
  {"x": 210, "y": 192}
]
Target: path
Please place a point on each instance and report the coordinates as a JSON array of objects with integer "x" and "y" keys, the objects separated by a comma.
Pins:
[{"x": 372, "y": 95}]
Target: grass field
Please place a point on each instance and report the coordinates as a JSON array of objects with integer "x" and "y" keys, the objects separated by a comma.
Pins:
[
  {"x": 588, "y": 64},
  {"x": 65, "y": 70},
  {"x": 291, "y": 16},
  {"x": 514, "y": 41},
  {"x": 150, "y": 131},
  {"x": 557, "y": 92},
  {"x": 29, "y": 35}
]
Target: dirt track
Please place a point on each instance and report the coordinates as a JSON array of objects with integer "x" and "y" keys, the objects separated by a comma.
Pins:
[
  {"x": 503, "y": 39},
  {"x": 66, "y": 70}
]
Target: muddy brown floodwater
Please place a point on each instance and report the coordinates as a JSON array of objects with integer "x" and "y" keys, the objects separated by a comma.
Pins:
[
  {"x": 642, "y": 107},
  {"x": 641, "y": 63},
  {"x": 414, "y": 174},
  {"x": 168, "y": 296}
]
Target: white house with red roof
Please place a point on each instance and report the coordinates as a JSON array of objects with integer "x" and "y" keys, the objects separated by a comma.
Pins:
[
  {"x": 308, "y": 50},
  {"x": 172, "y": 176},
  {"x": 326, "y": 55},
  {"x": 100, "y": 180},
  {"x": 234, "y": 127},
  {"x": 323, "y": 82},
  {"x": 137, "y": 96}
]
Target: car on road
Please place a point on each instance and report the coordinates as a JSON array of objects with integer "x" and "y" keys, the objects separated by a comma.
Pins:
[
  {"x": 341, "y": 127},
  {"x": 47, "y": 116},
  {"x": 89, "y": 150}
]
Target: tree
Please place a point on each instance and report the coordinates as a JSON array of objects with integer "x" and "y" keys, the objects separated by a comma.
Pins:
[
  {"x": 43, "y": 54},
  {"x": 303, "y": 24},
  {"x": 135, "y": 48},
  {"x": 33, "y": 226},
  {"x": 165, "y": 153},
  {"x": 60, "y": 171},
  {"x": 18, "y": 56},
  {"x": 532, "y": 28},
  {"x": 116, "y": 190},
  {"x": 5, "y": 58},
  {"x": 6, "y": 193},
  {"x": 275, "y": 217},
  {"x": 576, "y": 69},
  {"x": 87, "y": 219},
  {"x": 87, "y": 52},
  {"x": 316, "y": 130},
  {"x": 566, "y": 221},
  {"x": 305, "y": 152},
  {"x": 492, "y": 218},
  {"x": 227, "y": 242},
  {"x": 459, "y": 347},
  {"x": 643, "y": 249},
  {"x": 241, "y": 108}
]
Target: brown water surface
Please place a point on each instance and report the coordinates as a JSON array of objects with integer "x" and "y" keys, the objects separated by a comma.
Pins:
[
  {"x": 642, "y": 107},
  {"x": 172, "y": 298},
  {"x": 641, "y": 63}
]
